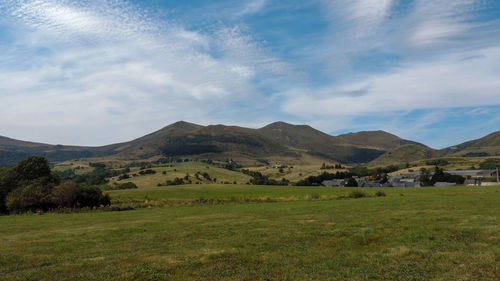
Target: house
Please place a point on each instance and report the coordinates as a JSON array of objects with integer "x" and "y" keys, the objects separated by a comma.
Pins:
[
  {"x": 411, "y": 179},
  {"x": 445, "y": 184},
  {"x": 334, "y": 182},
  {"x": 361, "y": 181},
  {"x": 371, "y": 184}
]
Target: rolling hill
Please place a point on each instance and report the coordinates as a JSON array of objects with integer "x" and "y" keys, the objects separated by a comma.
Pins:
[
  {"x": 358, "y": 147},
  {"x": 276, "y": 139},
  {"x": 11, "y": 151},
  {"x": 405, "y": 154},
  {"x": 485, "y": 146},
  {"x": 380, "y": 140}
]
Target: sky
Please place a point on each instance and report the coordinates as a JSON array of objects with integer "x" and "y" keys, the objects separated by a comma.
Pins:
[{"x": 95, "y": 72}]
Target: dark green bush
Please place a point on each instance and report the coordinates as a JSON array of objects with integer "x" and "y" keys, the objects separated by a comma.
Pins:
[
  {"x": 65, "y": 195},
  {"x": 351, "y": 183},
  {"x": 32, "y": 197},
  {"x": 125, "y": 185},
  {"x": 357, "y": 194},
  {"x": 91, "y": 196}
]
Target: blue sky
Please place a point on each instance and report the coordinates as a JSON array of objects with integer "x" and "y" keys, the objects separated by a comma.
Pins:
[{"x": 95, "y": 72}]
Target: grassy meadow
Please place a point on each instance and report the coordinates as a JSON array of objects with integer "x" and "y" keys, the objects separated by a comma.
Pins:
[{"x": 285, "y": 233}]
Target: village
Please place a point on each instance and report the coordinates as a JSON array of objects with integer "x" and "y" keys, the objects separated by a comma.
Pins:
[{"x": 415, "y": 179}]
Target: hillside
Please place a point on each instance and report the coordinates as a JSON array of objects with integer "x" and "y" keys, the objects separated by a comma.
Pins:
[
  {"x": 404, "y": 154},
  {"x": 12, "y": 151},
  {"x": 485, "y": 146},
  {"x": 210, "y": 142},
  {"x": 281, "y": 139},
  {"x": 375, "y": 139},
  {"x": 358, "y": 147}
]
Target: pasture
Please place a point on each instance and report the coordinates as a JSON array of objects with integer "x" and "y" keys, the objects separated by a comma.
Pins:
[{"x": 283, "y": 233}]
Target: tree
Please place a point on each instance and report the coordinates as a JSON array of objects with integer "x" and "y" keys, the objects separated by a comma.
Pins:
[
  {"x": 65, "y": 195},
  {"x": 425, "y": 177},
  {"x": 33, "y": 197},
  {"x": 352, "y": 183},
  {"x": 91, "y": 196},
  {"x": 31, "y": 168}
]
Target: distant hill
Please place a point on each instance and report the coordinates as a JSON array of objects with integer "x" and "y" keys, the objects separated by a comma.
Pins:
[
  {"x": 358, "y": 147},
  {"x": 375, "y": 139},
  {"x": 11, "y": 151},
  {"x": 405, "y": 154},
  {"x": 485, "y": 146},
  {"x": 184, "y": 138},
  {"x": 279, "y": 138}
]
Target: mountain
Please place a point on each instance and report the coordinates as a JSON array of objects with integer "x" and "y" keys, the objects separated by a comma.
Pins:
[
  {"x": 276, "y": 139},
  {"x": 298, "y": 136},
  {"x": 11, "y": 151},
  {"x": 151, "y": 144},
  {"x": 184, "y": 138},
  {"x": 485, "y": 146},
  {"x": 358, "y": 147},
  {"x": 375, "y": 139}
]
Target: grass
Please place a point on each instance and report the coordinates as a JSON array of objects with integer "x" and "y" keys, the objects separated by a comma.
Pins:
[
  {"x": 180, "y": 170},
  {"x": 409, "y": 234}
]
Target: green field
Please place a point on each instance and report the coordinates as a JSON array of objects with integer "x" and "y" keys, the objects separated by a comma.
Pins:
[{"x": 285, "y": 233}]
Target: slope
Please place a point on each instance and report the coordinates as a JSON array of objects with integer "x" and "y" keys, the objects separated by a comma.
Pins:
[
  {"x": 405, "y": 154},
  {"x": 485, "y": 146},
  {"x": 318, "y": 143},
  {"x": 375, "y": 139},
  {"x": 12, "y": 151},
  {"x": 184, "y": 138}
]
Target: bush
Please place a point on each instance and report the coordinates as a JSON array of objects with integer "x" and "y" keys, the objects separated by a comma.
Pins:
[
  {"x": 357, "y": 194},
  {"x": 125, "y": 185},
  {"x": 123, "y": 177},
  {"x": 380, "y": 194},
  {"x": 352, "y": 183},
  {"x": 176, "y": 181},
  {"x": 32, "y": 197},
  {"x": 91, "y": 196},
  {"x": 65, "y": 195}
]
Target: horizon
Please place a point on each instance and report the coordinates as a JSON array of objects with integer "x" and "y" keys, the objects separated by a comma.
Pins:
[
  {"x": 99, "y": 72},
  {"x": 256, "y": 128}
]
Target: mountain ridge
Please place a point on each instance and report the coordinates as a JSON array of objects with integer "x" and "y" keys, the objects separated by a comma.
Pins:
[{"x": 278, "y": 138}]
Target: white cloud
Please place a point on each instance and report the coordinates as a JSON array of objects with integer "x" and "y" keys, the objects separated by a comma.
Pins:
[
  {"x": 358, "y": 18},
  {"x": 439, "y": 21},
  {"x": 251, "y": 7},
  {"x": 446, "y": 83},
  {"x": 104, "y": 60}
]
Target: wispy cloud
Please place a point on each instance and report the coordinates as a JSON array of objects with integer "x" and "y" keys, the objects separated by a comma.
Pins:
[
  {"x": 358, "y": 18},
  {"x": 124, "y": 68},
  {"x": 251, "y": 7},
  {"x": 100, "y": 71},
  {"x": 446, "y": 83}
]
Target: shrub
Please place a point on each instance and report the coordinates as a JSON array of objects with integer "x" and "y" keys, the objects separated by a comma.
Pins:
[
  {"x": 125, "y": 185},
  {"x": 352, "y": 183},
  {"x": 65, "y": 195},
  {"x": 357, "y": 194},
  {"x": 91, "y": 196},
  {"x": 176, "y": 181},
  {"x": 123, "y": 177},
  {"x": 32, "y": 197}
]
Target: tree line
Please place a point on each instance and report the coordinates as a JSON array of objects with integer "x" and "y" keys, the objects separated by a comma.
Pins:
[{"x": 31, "y": 186}]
